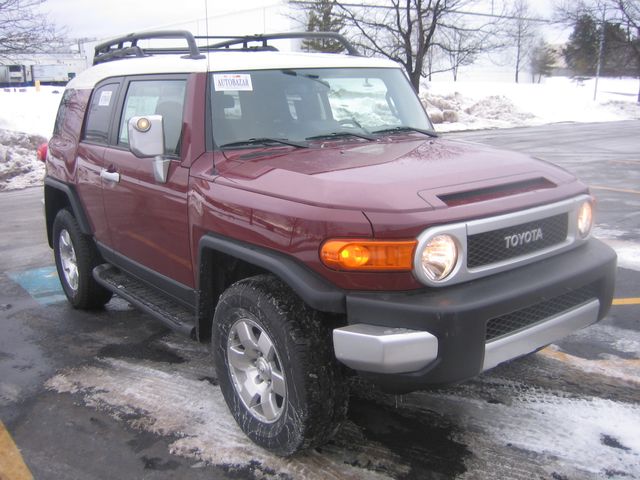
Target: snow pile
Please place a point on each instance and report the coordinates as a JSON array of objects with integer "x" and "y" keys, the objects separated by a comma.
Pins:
[
  {"x": 482, "y": 105},
  {"x": 494, "y": 111},
  {"x": 19, "y": 166},
  {"x": 26, "y": 121},
  {"x": 29, "y": 111}
]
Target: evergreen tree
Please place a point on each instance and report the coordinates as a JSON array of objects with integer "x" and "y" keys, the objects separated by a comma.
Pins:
[
  {"x": 617, "y": 55},
  {"x": 581, "y": 52},
  {"x": 543, "y": 59},
  {"x": 321, "y": 18}
]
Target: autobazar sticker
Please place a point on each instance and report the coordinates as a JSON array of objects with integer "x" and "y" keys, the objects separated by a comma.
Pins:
[{"x": 232, "y": 82}]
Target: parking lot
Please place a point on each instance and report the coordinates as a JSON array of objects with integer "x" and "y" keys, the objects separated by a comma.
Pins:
[{"x": 113, "y": 394}]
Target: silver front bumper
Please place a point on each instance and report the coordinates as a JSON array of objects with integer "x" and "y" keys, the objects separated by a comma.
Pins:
[
  {"x": 376, "y": 349},
  {"x": 370, "y": 348}
]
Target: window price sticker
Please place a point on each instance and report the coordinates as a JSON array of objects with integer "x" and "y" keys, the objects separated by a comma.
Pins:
[{"x": 232, "y": 82}]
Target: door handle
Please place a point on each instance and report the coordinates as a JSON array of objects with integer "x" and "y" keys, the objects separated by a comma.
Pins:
[{"x": 110, "y": 176}]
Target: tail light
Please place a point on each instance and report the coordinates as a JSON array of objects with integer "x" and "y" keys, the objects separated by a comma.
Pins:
[{"x": 42, "y": 152}]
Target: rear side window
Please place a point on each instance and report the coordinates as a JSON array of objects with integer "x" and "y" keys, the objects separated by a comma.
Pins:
[
  {"x": 155, "y": 97},
  {"x": 100, "y": 111}
]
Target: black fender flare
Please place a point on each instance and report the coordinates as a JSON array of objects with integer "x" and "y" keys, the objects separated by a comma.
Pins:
[
  {"x": 315, "y": 291},
  {"x": 51, "y": 206}
]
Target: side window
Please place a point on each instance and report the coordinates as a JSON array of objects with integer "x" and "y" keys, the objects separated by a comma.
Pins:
[
  {"x": 159, "y": 97},
  {"x": 99, "y": 115}
]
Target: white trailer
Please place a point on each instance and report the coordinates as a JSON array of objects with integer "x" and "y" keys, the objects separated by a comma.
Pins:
[{"x": 51, "y": 73}]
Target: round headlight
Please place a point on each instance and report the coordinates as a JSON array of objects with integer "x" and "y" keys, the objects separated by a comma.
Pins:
[
  {"x": 439, "y": 257},
  {"x": 585, "y": 219}
]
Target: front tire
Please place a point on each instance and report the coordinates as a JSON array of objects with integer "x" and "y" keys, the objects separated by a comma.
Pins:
[
  {"x": 76, "y": 256},
  {"x": 275, "y": 365}
]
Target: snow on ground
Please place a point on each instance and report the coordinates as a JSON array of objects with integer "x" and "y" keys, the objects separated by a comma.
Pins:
[
  {"x": 627, "y": 250},
  {"x": 180, "y": 401},
  {"x": 509, "y": 428},
  {"x": 483, "y": 105},
  {"x": 29, "y": 111},
  {"x": 577, "y": 433}
]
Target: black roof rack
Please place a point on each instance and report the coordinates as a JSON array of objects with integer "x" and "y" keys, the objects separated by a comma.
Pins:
[
  {"x": 264, "y": 38},
  {"x": 127, "y": 46}
]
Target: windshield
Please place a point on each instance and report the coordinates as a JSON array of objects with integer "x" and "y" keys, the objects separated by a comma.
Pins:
[{"x": 305, "y": 104}]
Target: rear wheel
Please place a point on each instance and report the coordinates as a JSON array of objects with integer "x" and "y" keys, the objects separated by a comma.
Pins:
[
  {"x": 76, "y": 256},
  {"x": 276, "y": 367}
]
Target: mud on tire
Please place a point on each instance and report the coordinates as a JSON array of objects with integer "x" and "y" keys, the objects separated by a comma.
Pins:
[
  {"x": 76, "y": 256},
  {"x": 276, "y": 368}
]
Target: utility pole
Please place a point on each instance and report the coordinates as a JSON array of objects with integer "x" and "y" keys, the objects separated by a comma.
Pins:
[{"x": 600, "y": 52}]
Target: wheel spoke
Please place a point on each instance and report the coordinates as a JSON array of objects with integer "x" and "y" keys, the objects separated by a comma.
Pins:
[
  {"x": 270, "y": 407},
  {"x": 250, "y": 392},
  {"x": 240, "y": 359},
  {"x": 64, "y": 240},
  {"x": 255, "y": 368},
  {"x": 277, "y": 383},
  {"x": 265, "y": 346},
  {"x": 73, "y": 275},
  {"x": 68, "y": 259},
  {"x": 246, "y": 336}
]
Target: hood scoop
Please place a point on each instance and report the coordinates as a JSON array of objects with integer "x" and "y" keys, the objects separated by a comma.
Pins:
[{"x": 495, "y": 192}]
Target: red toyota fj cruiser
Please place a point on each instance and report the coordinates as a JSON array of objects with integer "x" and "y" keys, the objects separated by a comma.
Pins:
[{"x": 298, "y": 211}]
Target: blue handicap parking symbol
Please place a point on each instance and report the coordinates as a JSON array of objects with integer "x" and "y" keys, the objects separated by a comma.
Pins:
[{"x": 41, "y": 283}]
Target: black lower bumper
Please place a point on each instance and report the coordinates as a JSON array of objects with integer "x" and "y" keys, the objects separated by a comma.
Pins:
[{"x": 458, "y": 315}]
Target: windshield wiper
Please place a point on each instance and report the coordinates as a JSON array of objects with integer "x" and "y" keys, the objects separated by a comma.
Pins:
[
  {"x": 340, "y": 134},
  {"x": 264, "y": 141},
  {"x": 430, "y": 133}
]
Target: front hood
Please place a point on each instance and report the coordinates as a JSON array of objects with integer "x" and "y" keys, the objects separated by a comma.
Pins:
[{"x": 384, "y": 176}]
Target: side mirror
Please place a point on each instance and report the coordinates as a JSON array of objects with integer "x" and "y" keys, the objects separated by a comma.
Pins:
[
  {"x": 146, "y": 136},
  {"x": 146, "y": 139}
]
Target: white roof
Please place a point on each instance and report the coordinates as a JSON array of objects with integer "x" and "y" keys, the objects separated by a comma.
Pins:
[{"x": 223, "y": 61}]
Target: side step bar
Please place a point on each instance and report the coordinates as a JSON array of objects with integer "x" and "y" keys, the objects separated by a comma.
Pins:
[{"x": 147, "y": 299}]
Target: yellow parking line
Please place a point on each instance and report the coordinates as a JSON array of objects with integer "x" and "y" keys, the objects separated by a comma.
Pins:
[
  {"x": 626, "y": 301},
  {"x": 12, "y": 466},
  {"x": 611, "y": 189},
  {"x": 625, "y": 162}
]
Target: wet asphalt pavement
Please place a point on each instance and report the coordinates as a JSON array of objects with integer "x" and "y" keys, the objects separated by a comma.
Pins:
[{"x": 113, "y": 394}]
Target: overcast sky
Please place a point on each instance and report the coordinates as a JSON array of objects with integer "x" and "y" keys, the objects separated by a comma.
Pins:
[{"x": 108, "y": 18}]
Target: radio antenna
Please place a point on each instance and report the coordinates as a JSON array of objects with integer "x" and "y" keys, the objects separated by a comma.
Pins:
[{"x": 206, "y": 24}]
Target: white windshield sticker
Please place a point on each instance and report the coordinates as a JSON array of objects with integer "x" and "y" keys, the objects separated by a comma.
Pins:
[
  {"x": 105, "y": 98},
  {"x": 233, "y": 82}
]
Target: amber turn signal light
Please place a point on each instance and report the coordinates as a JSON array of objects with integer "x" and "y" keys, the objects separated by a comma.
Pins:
[{"x": 368, "y": 255}]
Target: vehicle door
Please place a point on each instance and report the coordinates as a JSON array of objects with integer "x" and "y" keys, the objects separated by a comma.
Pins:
[
  {"x": 148, "y": 218},
  {"x": 89, "y": 156}
]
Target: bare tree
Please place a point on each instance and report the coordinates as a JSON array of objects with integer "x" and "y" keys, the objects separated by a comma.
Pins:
[
  {"x": 461, "y": 46},
  {"x": 406, "y": 30},
  {"x": 524, "y": 31},
  {"x": 24, "y": 28},
  {"x": 629, "y": 11}
]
